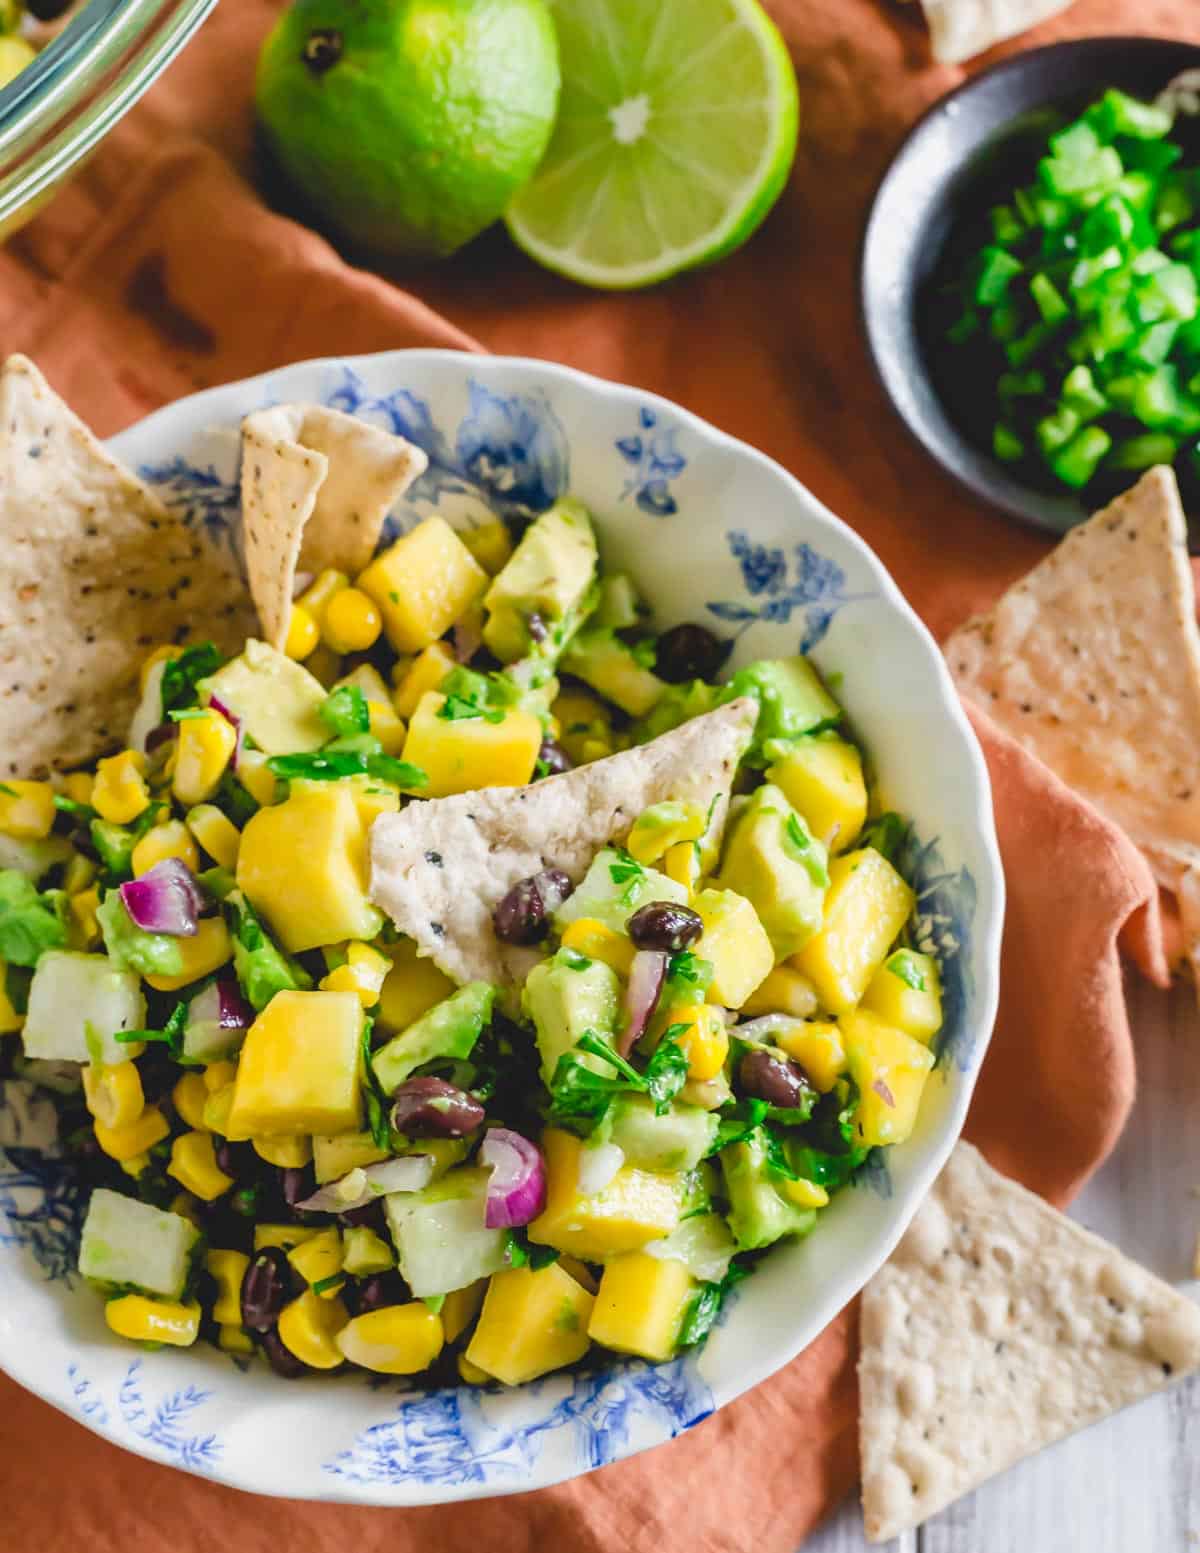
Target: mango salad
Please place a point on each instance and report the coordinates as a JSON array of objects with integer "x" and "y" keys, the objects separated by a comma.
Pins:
[{"x": 308, "y": 1133}]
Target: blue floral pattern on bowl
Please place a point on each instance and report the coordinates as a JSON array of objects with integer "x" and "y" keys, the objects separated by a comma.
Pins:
[{"x": 506, "y": 439}]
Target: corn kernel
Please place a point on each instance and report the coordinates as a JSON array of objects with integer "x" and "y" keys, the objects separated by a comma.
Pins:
[
  {"x": 228, "y": 1268},
  {"x": 160, "y": 842},
  {"x": 303, "y": 633},
  {"x": 204, "y": 952},
  {"x": 308, "y": 1328},
  {"x": 595, "y": 939},
  {"x": 257, "y": 777},
  {"x": 471, "y": 1374},
  {"x": 205, "y": 748},
  {"x": 119, "y": 793},
  {"x": 122, "y": 1143},
  {"x": 364, "y": 1253},
  {"x": 162, "y": 654},
  {"x": 83, "y": 910},
  {"x": 682, "y": 863},
  {"x": 285, "y": 1236},
  {"x": 26, "y": 809},
  {"x": 218, "y": 1074},
  {"x": 77, "y": 785},
  {"x": 784, "y": 991},
  {"x": 215, "y": 832},
  {"x": 364, "y": 973},
  {"x": 235, "y": 1340},
  {"x": 290, "y": 1153},
  {"x": 189, "y": 1098},
  {"x": 705, "y": 1042},
  {"x": 461, "y": 1307},
  {"x": 397, "y": 1340},
  {"x": 154, "y": 1321},
  {"x": 315, "y": 598},
  {"x": 491, "y": 545},
  {"x": 805, "y": 1194},
  {"x": 114, "y": 1094},
  {"x": 10, "y": 1020},
  {"x": 426, "y": 672},
  {"x": 134, "y": 1166},
  {"x": 194, "y": 1166},
  {"x": 387, "y": 726},
  {"x": 319, "y": 1258},
  {"x": 352, "y": 621}
]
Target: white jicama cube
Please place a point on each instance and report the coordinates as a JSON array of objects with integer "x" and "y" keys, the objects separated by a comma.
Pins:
[
  {"x": 440, "y": 1236},
  {"x": 77, "y": 1003},
  {"x": 125, "y": 1241}
]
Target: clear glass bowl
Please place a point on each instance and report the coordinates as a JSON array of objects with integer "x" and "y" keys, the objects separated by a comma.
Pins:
[{"x": 62, "y": 105}]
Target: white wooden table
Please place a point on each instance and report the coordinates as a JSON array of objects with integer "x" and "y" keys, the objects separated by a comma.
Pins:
[{"x": 1132, "y": 1483}]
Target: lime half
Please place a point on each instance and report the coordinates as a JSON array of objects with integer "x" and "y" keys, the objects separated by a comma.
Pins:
[{"x": 675, "y": 135}]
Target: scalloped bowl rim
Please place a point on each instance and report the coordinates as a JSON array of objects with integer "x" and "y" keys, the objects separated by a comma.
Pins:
[{"x": 240, "y": 1472}]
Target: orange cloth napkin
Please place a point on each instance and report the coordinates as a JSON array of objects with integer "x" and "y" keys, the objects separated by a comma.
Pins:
[{"x": 160, "y": 271}]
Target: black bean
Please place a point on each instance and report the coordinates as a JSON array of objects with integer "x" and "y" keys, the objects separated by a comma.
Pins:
[
  {"x": 553, "y": 757},
  {"x": 666, "y": 926},
  {"x": 265, "y": 1287},
  {"x": 47, "y": 10},
  {"x": 523, "y": 915},
  {"x": 429, "y": 1107},
  {"x": 238, "y": 1160},
  {"x": 689, "y": 652},
  {"x": 382, "y": 1289},
  {"x": 777, "y": 1080},
  {"x": 296, "y": 1184},
  {"x": 281, "y": 1359},
  {"x": 536, "y": 626},
  {"x": 371, "y": 1214}
]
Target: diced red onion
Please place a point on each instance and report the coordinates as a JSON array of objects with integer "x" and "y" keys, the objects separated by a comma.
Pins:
[
  {"x": 598, "y": 1166},
  {"x": 517, "y": 1191},
  {"x": 165, "y": 899},
  {"x": 364, "y": 1185},
  {"x": 222, "y": 1006},
  {"x": 646, "y": 977}
]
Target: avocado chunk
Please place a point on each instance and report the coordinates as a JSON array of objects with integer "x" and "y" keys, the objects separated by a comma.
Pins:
[
  {"x": 610, "y": 666},
  {"x": 678, "y": 704},
  {"x": 29, "y": 923},
  {"x": 614, "y": 887},
  {"x": 791, "y": 699},
  {"x": 262, "y": 969},
  {"x": 759, "y": 1214},
  {"x": 618, "y": 605},
  {"x": 439, "y": 1233},
  {"x": 449, "y": 1029},
  {"x": 115, "y": 844},
  {"x": 126, "y": 1242},
  {"x": 543, "y": 592},
  {"x": 775, "y": 861},
  {"x": 677, "y": 1140},
  {"x": 277, "y": 700},
  {"x": 130, "y": 948},
  {"x": 565, "y": 998}
]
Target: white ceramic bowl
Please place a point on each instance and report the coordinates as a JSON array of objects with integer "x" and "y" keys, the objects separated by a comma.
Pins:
[{"x": 712, "y": 531}]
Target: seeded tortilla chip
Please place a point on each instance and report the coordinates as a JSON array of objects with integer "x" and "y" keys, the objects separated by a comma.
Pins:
[
  {"x": 1093, "y": 663},
  {"x": 94, "y": 572},
  {"x": 439, "y": 868},
  {"x": 960, "y": 29},
  {"x": 998, "y": 1327},
  {"x": 316, "y": 488}
]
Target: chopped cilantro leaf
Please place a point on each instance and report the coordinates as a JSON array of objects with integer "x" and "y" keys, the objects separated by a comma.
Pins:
[
  {"x": 706, "y": 1305},
  {"x": 186, "y": 714},
  {"x": 334, "y": 1281},
  {"x": 82, "y": 811},
  {"x": 887, "y": 834},
  {"x": 906, "y": 968},
  {"x": 30, "y": 923},
  {"x": 171, "y": 1033},
  {"x": 9, "y": 792},
  {"x": 182, "y": 674}
]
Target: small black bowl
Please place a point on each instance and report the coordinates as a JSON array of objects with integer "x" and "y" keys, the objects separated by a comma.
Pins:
[{"x": 962, "y": 157}]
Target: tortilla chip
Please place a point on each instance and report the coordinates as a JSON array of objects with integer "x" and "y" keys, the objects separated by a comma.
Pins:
[
  {"x": 1093, "y": 663},
  {"x": 94, "y": 572},
  {"x": 439, "y": 868},
  {"x": 962, "y": 28},
  {"x": 316, "y": 488},
  {"x": 998, "y": 1327}
]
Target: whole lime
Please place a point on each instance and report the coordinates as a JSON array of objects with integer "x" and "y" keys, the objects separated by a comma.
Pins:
[{"x": 407, "y": 125}]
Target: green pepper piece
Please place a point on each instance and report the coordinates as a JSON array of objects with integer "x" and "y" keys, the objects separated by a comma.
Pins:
[
  {"x": 1079, "y": 391},
  {"x": 1076, "y": 463},
  {"x": 1050, "y": 301},
  {"x": 995, "y": 275},
  {"x": 1136, "y": 453},
  {"x": 1119, "y": 114},
  {"x": 1006, "y": 445},
  {"x": 1054, "y": 431},
  {"x": 1065, "y": 176}
]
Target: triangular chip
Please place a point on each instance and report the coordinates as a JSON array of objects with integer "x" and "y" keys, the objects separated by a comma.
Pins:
[
  {"x": 998, "y": 1327},
  {"x": 316, "y": 488},
  {"x": 1093, "y": 663},
  {"x": 960, "y": 29},
  {"x": 439, "y": 868},
  {"x": 94, "y": 573}
]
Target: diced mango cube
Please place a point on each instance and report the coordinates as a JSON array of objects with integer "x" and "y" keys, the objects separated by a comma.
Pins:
[
  {"x": 491, "y": 544},
  {"x": 906, "y": 991},
  {"x": 736, "y": 943},
  {"x": 426, "y": 672},
  {"x": 682, "y": 863},
  {"x": 170, "y": 839},
  {"x": 641, "y": 1305},
  {"x": 299, "y": 1069},
  {"x": 256, "y": 777},
  {"x": 364, "y": 974},
  {"x": 784, "y": 991},
  {"x": 704, "y": 1041},
  {"x": 531, "y": 1323},
  {"x": 410, "y": 988},
  {"x": 461, "y": 1307},
  {"x": 816, "y": 1044},
  {"x": 422, "y": 584},
  {"x": 26, "y": 809},
  {"x": 334, "y": 1157},
  {"x": 662, "y": 826},
  {"x": 637, "y": 1206},
  {"x": 215, "y": 832},
  {"x": 387, "y": 726},
  {"x": 595, "y": 939},
  {"x": 890, "y": 1069},
  {"x": 209, "y": 947},
  {"x": 463, "y": 753},
  {"x": 866, "y": 906},
  {"x": 303, "y": 864},
  {"x": 822, "y": 777}
]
